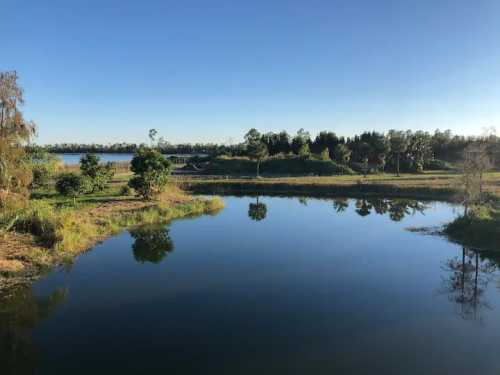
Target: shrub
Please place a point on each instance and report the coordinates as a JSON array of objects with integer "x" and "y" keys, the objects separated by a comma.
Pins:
[
  {"x": 151, "y": 172},
  {"x": 125, "y": 190},
  {"x": 98, "y": 174},
  {"x": 73, "y": 185}
]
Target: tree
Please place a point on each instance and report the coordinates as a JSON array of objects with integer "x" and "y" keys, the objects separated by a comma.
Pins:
[
  {"x": 98, "y": 174},
  {"x": 304, "y": 151},
  {"x": 15, "y": 133},
  {"x": 256, "y": 149},
  {"x": 152, "y": 135},
  {"x": 342, "y": 154},
  {"x": 73, "y": 185},
  {"x": 419, "y": 149},
  {"x": 257, "y": 211},
  {"x": 364, "y": 150},
  {"x": 399, "y": 144},
  {"x": 44, "y": 167},
  {"x": 151, "y": 171},
  {"x": 325, "y": 154},
  {"x": 476, "y": 163},
  {"x": 303, "y": 137}
]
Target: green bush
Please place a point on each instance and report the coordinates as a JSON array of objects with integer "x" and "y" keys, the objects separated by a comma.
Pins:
[
  {"x": 73, "y": 185},
  {"x": 151, "y": 172},
  {"x": 40, "y": 220},
  {"x": 98, "y": 174}
]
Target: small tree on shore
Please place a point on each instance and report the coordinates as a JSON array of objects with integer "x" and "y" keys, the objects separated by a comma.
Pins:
[
  {"x": 399, "y": 143},
  {"x": 476, "y": 163},
  {"x": 98, "y": 174},
  {"x": 342, "y": 154},
  {"x": 256, "y": 149},
  {"x": 151, "y": 172},
  {"x": 73, "y": 185},
  {"x": 325, "y": 154},
  {"x": 15, "y": 133}
]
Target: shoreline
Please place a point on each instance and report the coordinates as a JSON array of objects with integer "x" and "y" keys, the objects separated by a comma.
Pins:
[{"x": 24, "y": 259}]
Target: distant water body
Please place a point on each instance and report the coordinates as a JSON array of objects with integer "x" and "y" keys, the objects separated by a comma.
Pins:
[{"x": 73, "y": 159}]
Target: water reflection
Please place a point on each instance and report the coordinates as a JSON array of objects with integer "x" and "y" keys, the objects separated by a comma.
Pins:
[
  {"x": 20, "y": 312},
  {"x": 257, "y": 211},
  {"x": 152, "y": 243},
  {"x": 396, "y": 208},
  {"x": 465, "y": 281}
]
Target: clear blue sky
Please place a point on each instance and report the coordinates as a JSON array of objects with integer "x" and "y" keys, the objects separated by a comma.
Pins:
[{"x": 109, "y": 70}]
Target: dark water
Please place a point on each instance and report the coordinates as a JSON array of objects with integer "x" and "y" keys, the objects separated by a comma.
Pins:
[{"x": 288, "y": 287}]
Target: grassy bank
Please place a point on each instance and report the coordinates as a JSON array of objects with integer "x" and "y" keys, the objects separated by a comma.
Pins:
[
  {"x": 274, "y": 166},
  {"x": 51, "y": 231},
  {"x": 479, "y": 230},
  {"x": 435, "y": 185}
]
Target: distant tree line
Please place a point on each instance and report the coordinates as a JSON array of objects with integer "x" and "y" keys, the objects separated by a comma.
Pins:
[
  {"x": 405, "y": 150},
  {"x": 408, "y": 150}
]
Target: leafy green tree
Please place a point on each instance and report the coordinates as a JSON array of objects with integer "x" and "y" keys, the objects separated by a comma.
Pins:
[
  {"x": 99, "y": 175},
  {"x": 303, "y": 137},
  {"x": 151, "y": 172},
  {"x": 152, "y": 243},
  {"x": 419, "y": 149},
  {"x": 256, "y": 149},
  {"x": 342, "y": 154},
  {"x": 399, "y": 144},
  {"x": 73, "y": 185}
]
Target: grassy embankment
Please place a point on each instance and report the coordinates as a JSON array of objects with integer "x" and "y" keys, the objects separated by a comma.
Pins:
[
  {"x": 53, "y": 230},
  {"x": 430, "y": 185}
]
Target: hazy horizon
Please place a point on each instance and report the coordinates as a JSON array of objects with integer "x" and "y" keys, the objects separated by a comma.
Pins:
[{"x": 108, "y": 71}]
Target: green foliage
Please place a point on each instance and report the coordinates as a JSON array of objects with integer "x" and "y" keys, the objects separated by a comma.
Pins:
[
  {"x": 285, "y": 166},
  {"x": 325, "y": 154},
  {"x": 44, "y": 167},
  {"x": 73, "y": 185},
  {"x": 15, "y": 132},
  {"x": 256, "y": 149},
  {"x": 125, "y": 190},
  {"x": 342, "y": 154},
  {"x": 304, "y": 151},
  {"x": 479, "y": 229},
  {"x": 151, "y": 171},
  {"x": 99, "y": 175}
]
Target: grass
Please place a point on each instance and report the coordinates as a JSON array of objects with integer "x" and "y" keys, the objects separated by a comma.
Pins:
[
  {"x": 52, "y": 230},
  {"x": 478, "y": 230}
]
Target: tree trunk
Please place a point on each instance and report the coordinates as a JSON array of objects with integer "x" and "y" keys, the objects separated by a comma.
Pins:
[
  {"x": 397, "y": 165},
  {"x": 258, "y": 167}
]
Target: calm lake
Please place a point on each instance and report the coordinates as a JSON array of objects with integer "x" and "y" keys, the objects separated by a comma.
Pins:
[
  {"x": 74, "y": 159},
  {"x": 282, "y": 286}
]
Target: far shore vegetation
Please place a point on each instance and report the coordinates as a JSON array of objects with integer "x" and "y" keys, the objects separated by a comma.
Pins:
[{"x": 50, "y": 212}]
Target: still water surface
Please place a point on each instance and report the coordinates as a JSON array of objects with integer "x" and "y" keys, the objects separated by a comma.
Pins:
[
  {"x": 282, "y": 286},
  {"x": 74, "y": 159}
]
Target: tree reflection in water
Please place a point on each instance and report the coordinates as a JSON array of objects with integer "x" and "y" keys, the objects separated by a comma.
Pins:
[
  {"x": 152, "y": 243},
  {"x": 257, "y": 211},
  {"x": 20, "y": 312},
  {"x": 467, "y": 279},
  {"x": 396, "y": 208}
]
